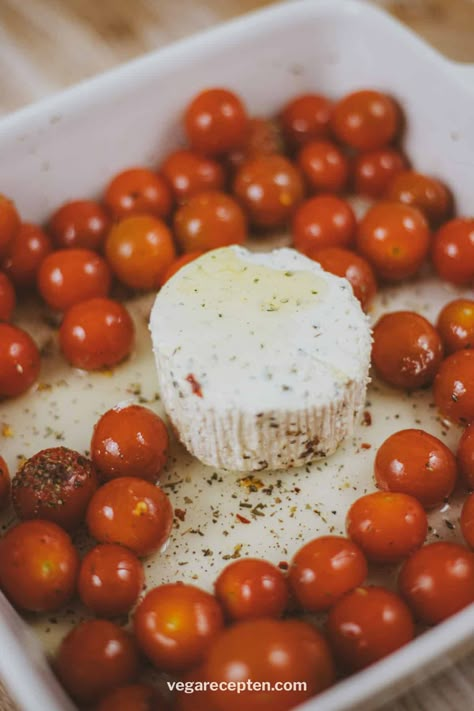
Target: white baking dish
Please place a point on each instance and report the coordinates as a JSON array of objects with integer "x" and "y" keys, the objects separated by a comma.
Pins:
[{"x": 69, "y": 145}]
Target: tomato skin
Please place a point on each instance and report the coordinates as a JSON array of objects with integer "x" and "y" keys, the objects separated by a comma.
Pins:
[
  {"x": 467, "y": 520},
  {"x": 453, "y": 251},
  {"x": 95, "y": 657},
  {"x": 324, "y": 570},
  {"x": 79, "y": 224},
  {"x": 358, "y": 272},
  {"x": 422, "y": 191},
  {"x": 19, "y": 361},
  {"x": 250, "y": 588},
  {"x": 7, "y": 298},
  {"x": 178, "y": 263},
  {"x": 323, "y": 221},
  {"x": 368, "y": 624},
  {"x": 324, "y": 166},
  {"x": 437, "y": 581},
  {"x": 416, "y": 463},
  {"x": 373, "y": 171},
  {"x": 365, "y": 120},
  {"x": 454, "y": 387},
  {"x": 9, "y": 224},
  {"x": 138, "y": 191},
  {"x": 130, "y": 440},
  {"x": 215, "y": 122},
  {"x": 26, "y": 254},
  {"x": 456, "y": 325},
  {"x": 134, "y": 697},
  {"x": 189, "y": 173},
  {"x": 131, "y": 512},
  {"x": 209, "y": 220},
  {"x": 465, "y": 456},
  {"x": 5, "y": 485},
  {"x": 306, "y": 118},
  {"x": 38, "y": 566},
  {"x": 262, "y": 138},
  {"x": 56, "y": 485},
  {"x": 407, "y": 350},
  {"x": 98, "y": 333}
]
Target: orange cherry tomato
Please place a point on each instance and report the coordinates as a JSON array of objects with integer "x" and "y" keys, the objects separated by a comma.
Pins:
[
  {"x": 352, "y": 267},
  {"x": 323, "y": 221},
  {"x": 26, "y": 254},
  {"x": 4, "y": 484},
  {"x": 38, "y": 566},
  {"x": 368, "y": 624},
  {"x": 395, "y": 239},
  {"x": 262, "y": 138},
  {"x": 189, "y": 173},
  {"x": 324, "y": 166},
  {"x": 456, "y": 325},
  {"x": 56, "y": 485},
  {"x": 428, "y": 194},
  {"x": 178, "y": 263},
  {"x": 79, "y": 224},
  {"x": 216, "y": 122},
  {"x": 465, "y": 456},
  {"x": 373, "y": 171},
  {"x": 130, "y": 440},
  {"x": 407, "y": 350},
  {"x": 416, "y": 463},
  {"x": 208, "y": 221},
  {"x": 95, "y": 657},
  {"x": 467, "y": 520},
  {"x": 134, "y": 697},
  {"x": 69, "y": 276},
  {"x": 269, "y": 188},
  {"x": 9, "y": 224},
  {"x": 132, "y": 512},
  {"x": 453, "y": 251},
  {"x": 365, "y": 120},
  {"x": 454, "y": 387},
  {"x": 437, "y": 581},
  {"x": 7, "y": 298},
  {"x": 110, "y": 580},
  {"x": 250, "y": 588},
  {"x": 140, "y": 249},
  {"x": 324, "y": 570},
  {"x": 19, "y": 361},
  {"x": 138, "y": 191},
  {"x": 175, "y": 625},
  {"x": 306, "y": 118}
]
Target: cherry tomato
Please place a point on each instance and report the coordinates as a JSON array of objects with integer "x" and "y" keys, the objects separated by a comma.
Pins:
[
  {"x": 110, "y": 580},
  {"x": 467, "y": 520},
  {"x": 138, "y": 191},
  {"x": 209, "y": 220},
  {"x": 268, "y": 651},
  {"x": 135, "y": 697},
  {"x": 323, "y": 221},
  {"x": 94, "y": 658},
  {"x": 131, "y": 512},
  {"x": 215, "y": 122},
  {"x": 395, "y": 240},
  {"x": 4, "y": 484},
  {"x": 373, "y": 171},
  {"x": 7, "y": 298},
  {"x": 140, "y": 249},
  {"x": 19, "y": 361},
  {"x": 365, "y": 120},
  {"x": 189, "y": 173},
  {"x": 368, "y": 624},
  {"x": 175, "y": 624},
  {"x": 306, "y": 118},
  {"x": 26, "y": 254},
  {"x": 38, "y": 566},
  {"x": 69, "y": 276},
  {"x": 453, "y": 251},
  {"x": 416, "y": 463},
  {"x": 437, "y": 581},
  {"x": 454, "y": 387},
  {"x": 130, "y": 440},
  {"x": 465, "y": 456},
  {"x": 324, "y": 166},
  {"x": 9, "y": 224},
  {"x": 250, "y": 588},
  {"x": 352, "y": 267},
  {"x": 456, "y": 325},
  {"x": 56, "y": 485},
  {"x": 323, "y": 570},
  {"x": 269, "y": 188},
  {"x": 407, "y": 350},
  {"x": 428, "y": 194},
  {"x": 178, "y": 263},
  {"x": 262, "y": 138},
  {"x": 79, "y": 224},
  {"x": 97, "y": 333}
]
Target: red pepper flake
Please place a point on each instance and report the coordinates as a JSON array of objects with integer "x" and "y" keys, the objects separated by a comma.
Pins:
[
  {"x": 180, "y": 513},
  {"x": 242, "y": 519},
  {"x": 283, "y": 565},
  {"x": 365, "y": 445},
  {"x": 366, "y": 418},
  {"x": 196, "y": 387}
]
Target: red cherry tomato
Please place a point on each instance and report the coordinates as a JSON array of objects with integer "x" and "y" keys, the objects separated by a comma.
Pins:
[
  {"x": 208, "y": 221},
  {"x": 110, "y": 580},
  {"x": 465, "y": 456},
  {"x": 373, "y": 171},
  {"x": 456, "y": 325},
  {"x": 407, "y": 350},
  {"x": 365, "y": 120},
  {"x": 416, "y": 463},
  {"x": 454, "y": 387},
  {"x": 352, "y": 267},
  {"x": 130, "y": 440},
  {"x": 69, "y": 276},
  {"x": 19, "y": 361},
  {"x": 94, "y": 658},
  {"x": 4, "y": 484},
  {"x": 306, "y": 118},
  {"x": 178, "y": 263},
  {"x": 250, "y": 588},
  {"x": 80, "y": 224},
  {"x": 175, "y": 624},
  {"x": 26, "y": 254},
  {"x": 135, "y": 697},
  {"x": 437, "y": 581},
  {"x": 9, "y": 224},
  {"x": 97, "y": 333},
  {"x": 189, "y": 173},
  {"x": 56, "y": 485},
  {"x": 323, "y": 221},
  {"x": 7, "y": 298},
  {"x": 38, "y": 566},
  {"x": 138, "y": 191},
  {"x": 323, "y": 570},
  {"x": 368, "y": 624},
  {"x": 216, "y": 122},
  {"x": 324, "y": 166},
  {"x": 422, "y": 191},
  {"x": 132, "y": 512},
  {"x": 467, "y": 520},
  {"x": 453, "y": 251},
  {"x": 262, "y": 138}
]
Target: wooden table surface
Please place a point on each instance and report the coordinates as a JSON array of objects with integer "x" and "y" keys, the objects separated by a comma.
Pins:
[{"x": 46, "y": 45}]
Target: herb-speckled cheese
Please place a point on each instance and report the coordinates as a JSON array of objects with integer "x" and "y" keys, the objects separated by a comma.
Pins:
[{"x": 262, "y": 358}]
